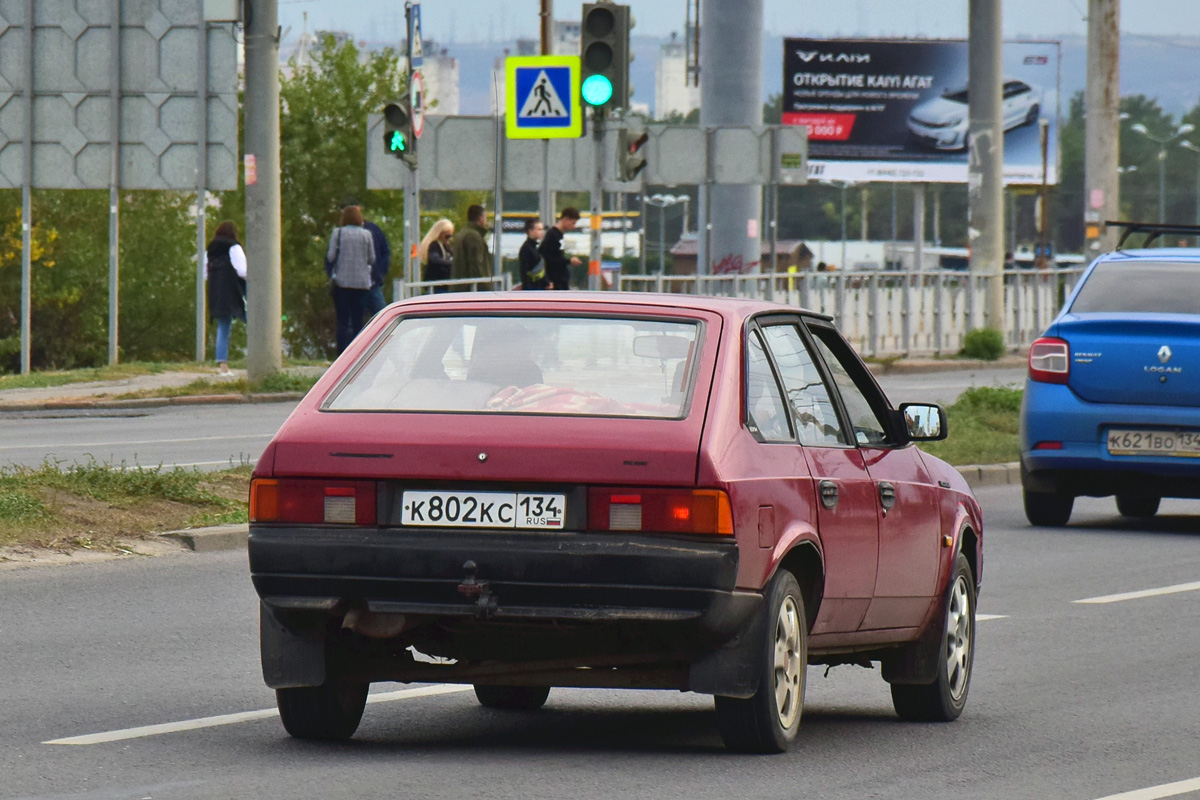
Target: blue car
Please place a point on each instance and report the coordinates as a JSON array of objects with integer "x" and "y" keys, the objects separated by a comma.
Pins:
[{"x": 1112, "y": 401}]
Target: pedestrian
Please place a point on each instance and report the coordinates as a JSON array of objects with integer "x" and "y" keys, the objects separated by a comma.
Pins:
[
  {"x": 225, "y": 271},
  {"x": 436, "y": 256},
  {"x": 352, "y": 255},
  {"x": 383, "y": 261},
  {"x": 470, "y": 251},
  {"x": 557, "y": 262},
  {"x": 533, "y": 268}
]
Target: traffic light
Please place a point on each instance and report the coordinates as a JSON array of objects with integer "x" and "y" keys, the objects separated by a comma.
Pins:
[
  {"x": 604, "y": 51},
  {"x": 398, "y": 138},
  {"x": 630, "y": 161}
]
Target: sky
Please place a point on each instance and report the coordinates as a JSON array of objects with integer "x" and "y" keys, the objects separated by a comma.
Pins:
[{"x": 450, "y": 21}]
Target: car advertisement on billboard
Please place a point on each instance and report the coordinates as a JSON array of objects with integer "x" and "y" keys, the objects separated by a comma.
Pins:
[{"x": 892, "y": 110}]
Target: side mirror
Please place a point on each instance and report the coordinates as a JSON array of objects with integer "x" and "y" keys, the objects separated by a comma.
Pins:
[{"x": 925, "y": 422}]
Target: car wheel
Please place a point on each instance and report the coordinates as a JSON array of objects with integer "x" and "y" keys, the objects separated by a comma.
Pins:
[
  {"x": 512, "y": 698},
  {"x": 944, "y": 699},
  {"x": 330, "y": 711},
  {"x": 767, "y": 722},
  {"x": 1032, "y": 116},
  {"x": 1048, "y": 509},
  {"x": 1131, "y": 506}
]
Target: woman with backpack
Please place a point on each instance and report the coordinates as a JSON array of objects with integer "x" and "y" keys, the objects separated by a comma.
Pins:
[{"x": 351, "y": 255}]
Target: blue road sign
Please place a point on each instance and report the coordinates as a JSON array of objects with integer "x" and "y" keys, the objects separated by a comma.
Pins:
[{"x": 543, "y": 97}]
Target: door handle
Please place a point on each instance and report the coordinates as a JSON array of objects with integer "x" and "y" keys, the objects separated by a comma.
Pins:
[
  {"x": 829, "y": 494},
  {"x": 887, "y": 496}
]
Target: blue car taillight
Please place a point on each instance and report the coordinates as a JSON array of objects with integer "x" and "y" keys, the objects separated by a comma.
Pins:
[{"x": 1050, "y": 360}]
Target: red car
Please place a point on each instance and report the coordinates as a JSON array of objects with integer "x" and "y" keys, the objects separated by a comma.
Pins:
[{"x": 609, "y": 490}]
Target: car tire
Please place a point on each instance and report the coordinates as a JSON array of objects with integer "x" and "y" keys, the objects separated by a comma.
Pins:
[
  {"x": 1048, "y": 509},
  {"x": 1032, "y": 116},
  {"x": 330, "y": 711},
  {"x": 944, "y": 699},
  {"x": 512, "y": 698},
  {"x": 767, "y": 721},
  {"x": 1139, "y": 507}
]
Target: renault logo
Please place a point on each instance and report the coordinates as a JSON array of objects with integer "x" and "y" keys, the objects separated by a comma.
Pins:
[{"x": 1164, "y": 354}]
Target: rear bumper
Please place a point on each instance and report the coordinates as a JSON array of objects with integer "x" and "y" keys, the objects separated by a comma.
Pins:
[{"x": 518, "y": 576}]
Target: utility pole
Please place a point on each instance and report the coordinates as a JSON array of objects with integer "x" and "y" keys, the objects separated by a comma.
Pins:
[
  {"x": 731, "y": 49},
  {"x": 597, "y": 200},
  {"x": 264, "y": 329},
  {"x": 1101, "y": 195},
  {"x": 985, "y": 169}
]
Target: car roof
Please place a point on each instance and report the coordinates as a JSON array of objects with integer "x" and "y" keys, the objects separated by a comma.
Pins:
[
  {"x": 732, "y": 307},
  {"x": 1183, "y": 254}
]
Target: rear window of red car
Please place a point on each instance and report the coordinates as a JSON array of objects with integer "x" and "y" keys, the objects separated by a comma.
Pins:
[
  {"x": 526, "y": 364},
  {"x": 1141, "y": 287}
]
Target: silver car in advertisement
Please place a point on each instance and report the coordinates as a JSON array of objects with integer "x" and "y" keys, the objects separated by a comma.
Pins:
[{"x": 942, "y": 123}]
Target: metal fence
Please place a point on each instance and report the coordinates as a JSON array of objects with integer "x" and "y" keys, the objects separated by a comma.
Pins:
[
  {"x": 893, "y": 313},
  {"x": 402, "y": 289}
]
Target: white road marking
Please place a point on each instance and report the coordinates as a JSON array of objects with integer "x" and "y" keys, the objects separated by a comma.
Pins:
[
  {"x": 1155, "y": 792},
  {"x": 1117, "y": 598},
  {"x": 986, "y": 617},
  {"x": 245, "y": 716},
  {"x": 141, "y": 441}
]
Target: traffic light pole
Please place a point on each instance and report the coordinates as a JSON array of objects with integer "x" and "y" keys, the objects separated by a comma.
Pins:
[{"x": 597, "y": 199}]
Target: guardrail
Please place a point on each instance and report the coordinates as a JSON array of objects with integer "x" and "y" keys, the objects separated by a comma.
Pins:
[
  {"x": 893, "y": 313},
  {"x": 402, "y": 289}
]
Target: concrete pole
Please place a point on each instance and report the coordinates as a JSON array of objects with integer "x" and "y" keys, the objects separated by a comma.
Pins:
[
  {"x": 937, "y": 217},
  {"x": 985, "y": 179},
  {"x": 731, "y": 82},
  {"x": 1101, "y": 194},
  {"x": 264, "y": 329},
  {"x": 597, "y": 200},
  {"x": 919, "y": 227},
  {"x": 201, "y": 190},
  {"x": 27, "y": 202},
  {"x": 114, "y": 187},
  {"x": 864, "y": 193}
]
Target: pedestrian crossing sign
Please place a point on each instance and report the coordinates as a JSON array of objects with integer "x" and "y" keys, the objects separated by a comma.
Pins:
[{"x": 542, "y": 97}]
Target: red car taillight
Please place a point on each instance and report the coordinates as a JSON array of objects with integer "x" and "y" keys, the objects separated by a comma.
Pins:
[
  {"x": 660, "y": 510},
  {"x": 307, "y": 500},
  {"x": 1049, "y": 360}
]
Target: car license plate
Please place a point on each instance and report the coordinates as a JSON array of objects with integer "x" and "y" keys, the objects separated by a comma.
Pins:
[
  {"x": 483, "y": 510},
  {"x": 1181, "y": 444}
]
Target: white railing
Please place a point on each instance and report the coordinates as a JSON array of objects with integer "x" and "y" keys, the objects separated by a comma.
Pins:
[
  {"x": 893, "y": 313},
  {"x": 402, "y": 289}
]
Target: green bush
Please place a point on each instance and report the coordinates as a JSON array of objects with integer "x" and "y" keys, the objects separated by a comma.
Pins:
[{"x": 984, "y": 343}]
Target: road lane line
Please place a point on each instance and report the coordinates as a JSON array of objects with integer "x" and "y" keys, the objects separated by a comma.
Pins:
[
  {"x": 245, "y": 716},
  {"x": 36, "y": 446},
  {"x": 986, "y": 617},
  {"x": 1117, "y": 598},
  {"x": 1155, "y": 792}
]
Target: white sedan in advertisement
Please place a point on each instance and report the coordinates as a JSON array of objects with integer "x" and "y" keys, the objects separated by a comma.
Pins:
[{"x": 943, "y": 122}]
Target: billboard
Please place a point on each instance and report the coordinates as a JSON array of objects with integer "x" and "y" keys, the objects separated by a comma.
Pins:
[{"x": 896, "y": 110}]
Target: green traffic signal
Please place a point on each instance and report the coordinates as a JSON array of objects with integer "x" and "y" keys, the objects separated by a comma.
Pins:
[
  {"x": 597, "y": 90},
  {"x": 397, "y": 143}
]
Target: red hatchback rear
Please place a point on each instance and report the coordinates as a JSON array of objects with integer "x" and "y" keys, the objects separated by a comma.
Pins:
[{"x": 608, "y": 490}]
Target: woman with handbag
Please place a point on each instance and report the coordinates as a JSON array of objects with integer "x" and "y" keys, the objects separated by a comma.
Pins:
[
  {"x": 435, "y": 254},
  {"x": 351, "y": 254}
]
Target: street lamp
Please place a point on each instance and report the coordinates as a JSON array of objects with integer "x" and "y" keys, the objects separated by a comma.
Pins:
[
  {"x": 1182, "y": 130},
  {"x": 1186, "y": 145},
  {"x": 662, "y": 202}
]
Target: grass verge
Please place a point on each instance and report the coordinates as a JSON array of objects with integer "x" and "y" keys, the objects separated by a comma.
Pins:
[
  {"x": 983, "y": 428},
  {"x": 278, "y": 382},
  {"x": 50, "y": 379},
  {"x": 97, "y": 505}
]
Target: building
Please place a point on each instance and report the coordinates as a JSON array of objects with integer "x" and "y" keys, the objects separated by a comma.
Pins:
[
  {"x": 440, "y": 73},
  {"x": 674, "y": 93},
  {"x": 567, "y": 36}
]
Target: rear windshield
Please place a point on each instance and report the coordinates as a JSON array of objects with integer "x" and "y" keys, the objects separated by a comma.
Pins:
[
  {"x": 1156, "y": 287},
  {"x": 527, "y": 365}
]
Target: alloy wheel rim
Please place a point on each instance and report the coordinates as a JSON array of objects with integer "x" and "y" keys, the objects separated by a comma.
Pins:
[
  {"x": 958, "y": 639},
  {"x": 789, "y": 694}
]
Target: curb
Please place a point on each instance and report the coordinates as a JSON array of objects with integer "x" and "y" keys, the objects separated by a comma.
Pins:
[
  {"x": 153, "y": 402},
  {"x": 949, "y": 365},
  {"x": 213, "y": 539},
  {"x": 977, "y": 475}
]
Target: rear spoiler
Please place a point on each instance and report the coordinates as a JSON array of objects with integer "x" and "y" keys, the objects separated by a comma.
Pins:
[{"x": 1154, "y": 229}]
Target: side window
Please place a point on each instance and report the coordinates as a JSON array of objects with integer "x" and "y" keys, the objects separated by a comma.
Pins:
[
  {"x": 868, "y": 427},
  {"x": 766, "y": 415},
  {"x": 816, "y": 418}
]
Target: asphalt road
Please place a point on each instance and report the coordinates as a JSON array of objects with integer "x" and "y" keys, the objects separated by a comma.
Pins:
[
  {"x": 1070, "y": 700},
  {"x": 212, "y": 437}
]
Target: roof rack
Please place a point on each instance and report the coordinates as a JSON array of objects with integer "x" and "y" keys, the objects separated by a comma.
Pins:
[{"x": 1155, "y": 229}]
